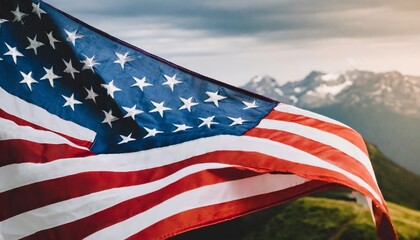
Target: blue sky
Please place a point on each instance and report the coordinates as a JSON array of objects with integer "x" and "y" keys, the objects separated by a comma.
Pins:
[{"x": 235, "y": 40}]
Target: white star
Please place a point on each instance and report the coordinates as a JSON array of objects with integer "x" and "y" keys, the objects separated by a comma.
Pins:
[
  {"x": 159, "y": 108},
  {"x": 187, "y": 104},
  {"x": 207, "y": 121},
  {"x": 181, "y": 127},
  {"x": 69, "y": 68},
  {"x": 122, "y": 59},
  {"x": 126, "y": 139},
  {"x": 70, "y": 101},
  {"x": 249, "y": 105},
  {"x": 141, "y": 83},
  {"x": 109, "y": 118},
  {"x": 91, "y": 94},
  {"x": 34, "y": 44},
  {"x": 50, "y": 76},
  {"x": 132, "y": 112},
  {"x": 89, "y": 63},
  {"x": 72, "y": 36},
  {"x": 52, "y": 40},
  {"x": 36, "y": 9},
  {"x": 111, "y": 88},
  {"x": 236, "y": 121},
  {"x": 27, "y": 78},
  {"x": 151, "y": 132},
  {"x": 18, "y": 15},
  {"x": 171, "y": 81},
  {"x": 13, "y": 52},
  {"x": 214, "y": 97}
]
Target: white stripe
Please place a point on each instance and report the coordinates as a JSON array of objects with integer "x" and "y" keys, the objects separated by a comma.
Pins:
[
  {"x": 16, "y": 175},
  {"x": 53, "y": 215},
  {"x": 321, "y": 136},
  {"x": 282, "y": 107},
  {"x": 370, "y": 205},
  {"x": 199, "y": 197},
  {"x": 11, "y": 131},
  {"x": 41, "y": 117}
]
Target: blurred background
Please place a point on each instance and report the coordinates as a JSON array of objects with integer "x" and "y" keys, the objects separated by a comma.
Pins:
[{"x": 355, "y": 61}]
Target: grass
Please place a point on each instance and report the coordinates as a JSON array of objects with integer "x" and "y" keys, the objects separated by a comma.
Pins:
[
  {"x": 406, "y": 221},
  {"x": 320, "y": 218}
]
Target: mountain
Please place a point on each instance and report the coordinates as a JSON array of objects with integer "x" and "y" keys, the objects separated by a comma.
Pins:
[
  {"x": 397, "y": 184},
  {"x": 337, "y": 219},
  {"x": 266, "y": 86},
  {"x": 383, "y": 107},
  {"x": 391, "y": 91}
]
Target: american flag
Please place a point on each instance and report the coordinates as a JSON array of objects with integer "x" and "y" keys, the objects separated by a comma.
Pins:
[{"x": 102, "y": 140}]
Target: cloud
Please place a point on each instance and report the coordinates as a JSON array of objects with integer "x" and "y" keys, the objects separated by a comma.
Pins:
[
  {"x": 267, "y": 19},
  {"x": 236, "y": 39}
]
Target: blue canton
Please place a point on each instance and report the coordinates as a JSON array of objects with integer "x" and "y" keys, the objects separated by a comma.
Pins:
[{"x": 132, "y": 99}]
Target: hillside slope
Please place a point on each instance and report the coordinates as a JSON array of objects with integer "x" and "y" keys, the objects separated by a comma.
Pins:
[
  {"x": 310, "y": 218},
  {"x": 396, "y": 183},
  {"x": 320, "y": 218}
]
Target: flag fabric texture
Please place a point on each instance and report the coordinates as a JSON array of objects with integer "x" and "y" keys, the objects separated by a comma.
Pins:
[{"x": 102, "y": 140}]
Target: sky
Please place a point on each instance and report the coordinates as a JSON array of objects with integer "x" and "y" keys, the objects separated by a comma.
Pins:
[{"x": 234, "y": 40}]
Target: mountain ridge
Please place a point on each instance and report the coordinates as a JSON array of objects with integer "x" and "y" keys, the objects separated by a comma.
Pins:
[{"x": 383, "y": 107}]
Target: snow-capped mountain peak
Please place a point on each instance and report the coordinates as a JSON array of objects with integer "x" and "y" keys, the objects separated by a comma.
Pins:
[
  {"x": 265, "y": 85},
  {"x": 392, "y": 90},
  {"x": 263, "y": 79},
  {"x": 330, "y": 77}
]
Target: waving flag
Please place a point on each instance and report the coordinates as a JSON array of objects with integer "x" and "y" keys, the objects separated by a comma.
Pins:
[{"x": 102, "y": 140}]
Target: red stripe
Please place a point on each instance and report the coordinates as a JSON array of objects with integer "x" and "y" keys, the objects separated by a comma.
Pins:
[
  {"x": 213, "y": 214},
  {"x": 317, "y": 149},
  {"x": 60, "y": 189},
  {"x": 384, "y": 227},
  {"x": 84, "y": 227},
  {"x": 339, "y": 130},
  {"x": 75, "y": 185},
  {"x": 24, "y": 196},
  {"x": 23, "y": 122},
  {"x": 72, "y": 186},
  {"x": 17, "y": 151}
]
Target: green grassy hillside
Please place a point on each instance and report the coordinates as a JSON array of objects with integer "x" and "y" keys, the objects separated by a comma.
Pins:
[
  {"x": 397, "y": 184},
  {"x": 320, "y": 218},
  {"x": 310, "y": 218}
]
